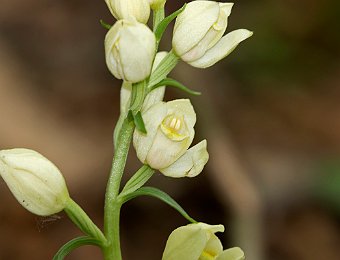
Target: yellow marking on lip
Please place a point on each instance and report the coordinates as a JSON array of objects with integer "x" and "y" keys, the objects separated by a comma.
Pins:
[{"x": 174, "y": 128}]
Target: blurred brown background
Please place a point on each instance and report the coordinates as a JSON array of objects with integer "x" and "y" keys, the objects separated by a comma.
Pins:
[{"x": 270, "y": 112}]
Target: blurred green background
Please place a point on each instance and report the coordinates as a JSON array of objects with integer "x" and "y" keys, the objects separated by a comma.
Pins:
[{"x": 270, "y": 112}]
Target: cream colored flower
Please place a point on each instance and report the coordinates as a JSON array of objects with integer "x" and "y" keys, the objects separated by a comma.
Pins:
[
  {"x": 198, "y": 242},
  {"x": 170, "y": 132},
  {"x": 197, "y": 37},
  {"x": 35, "y": 182},
  {"x": 130, "y": 49},
  {"x": 126, "y": 9}
]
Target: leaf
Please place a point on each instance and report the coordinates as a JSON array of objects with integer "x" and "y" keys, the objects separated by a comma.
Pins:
[
  {"x": 174, "y": 83},
  {"x": 165, "y": 22},
  {"x": 159, "y": 194},
  {"x": 105, "y": 25},
  {"x": 74, "y": 244},
  {"x": 139, "y": 123},
  {"x": 138, "y": 180}
]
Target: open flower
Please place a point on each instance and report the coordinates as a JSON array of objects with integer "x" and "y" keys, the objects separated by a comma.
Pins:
[
  {"x": 126, "y": 9},
  {"x": 170, "y": 132},
  {"x": 197, "y": 37},
  {"x": 130, "y": 49},
  {"x": 198, "y": 242},
  {"x": 35, "y": 182}
]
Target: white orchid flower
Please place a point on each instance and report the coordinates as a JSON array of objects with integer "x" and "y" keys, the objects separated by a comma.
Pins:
[
  {"x": 197, "y": 37},
  {"x": 170, "y": 132},
  {"x": 198, "y": 242}
]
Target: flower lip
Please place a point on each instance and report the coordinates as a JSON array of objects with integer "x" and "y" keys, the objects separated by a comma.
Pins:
[{"x": 174, "y": 127}]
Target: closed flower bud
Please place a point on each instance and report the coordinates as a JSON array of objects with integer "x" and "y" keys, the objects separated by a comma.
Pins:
[
  {"x": 126, "y": 9},
  {"x": 157, "y": 4},
  {"x": 170, "y": 132},
  {"x": 35, "y": 182},
  {"x": 198, "y": 32},
  {"x": 130, "y": 49},
  {"x": 198, "y": 242}
]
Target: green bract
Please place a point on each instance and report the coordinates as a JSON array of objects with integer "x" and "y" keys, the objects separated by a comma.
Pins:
[
  {"x": 35, "y": 182},
  {"x": 127, "y": 9},
  {"x": 157, "y": 4},
  {"x": 198, "y": 242},
  {"x": 130, "y": 50},
  {"x": 170, "y": 132},
  {"x": 198, "y": 32}
]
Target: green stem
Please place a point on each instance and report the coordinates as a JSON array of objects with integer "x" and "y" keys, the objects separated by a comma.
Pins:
[{"x": 112, "y": 205}]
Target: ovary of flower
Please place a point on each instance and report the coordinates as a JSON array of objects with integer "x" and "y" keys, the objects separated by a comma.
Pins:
[
  {"x": 35, "y": 182},
  {"x": 198, "y": 242},
  {"x": 170, "y": 132},
  {"x": 126, "y": 9},
  {"x": 198, "y": 32}
]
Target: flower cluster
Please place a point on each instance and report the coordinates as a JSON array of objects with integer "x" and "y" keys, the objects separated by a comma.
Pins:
[
  {"x": 162, "y": 132},
  {"x": 199, "y": 39}
]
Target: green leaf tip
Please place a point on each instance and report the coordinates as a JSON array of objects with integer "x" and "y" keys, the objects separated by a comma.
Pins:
[
  {"x": 105, "y": 25},
  {"x": 139, "y": 122},
  {"x": 174, "y": 83},
  {"x": 165, "y": 22}
]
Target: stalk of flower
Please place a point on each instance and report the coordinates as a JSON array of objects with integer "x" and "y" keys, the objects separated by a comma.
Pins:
[
  {"x": 127, "y": 9},
  {"x": 170, "y": 132},
  {"x": 199, "y": 242},
  {"x": 197, "y": 37}
]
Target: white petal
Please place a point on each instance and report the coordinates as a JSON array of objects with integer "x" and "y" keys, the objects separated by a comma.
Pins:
[
  {"x": 190, "y": 164},
  {"x": 137, "y": 46},
  {"x": 165, "y": 151},
  {"x": 185, "y": 243},
  {"x": 222, "y": 49},
  {"x": 153, "y": 117},
  {"x": 193, "y": 24},
  {"x": 214, "y": 246},
  {"x": 234, "y": 253},
  {"x": 226, "y": 8}
]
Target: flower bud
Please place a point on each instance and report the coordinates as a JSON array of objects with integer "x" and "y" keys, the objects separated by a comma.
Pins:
[
  {"x": 130, "y": 49},
  {"x": 170, "y": 132},
  {"x": 35, "y": 182},
  {"x": 157, "y": 4},
  {"x": 197, "y": 37},
  {"x": 126, "y": 9},
  {"x": 198, "y": 241}
]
